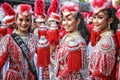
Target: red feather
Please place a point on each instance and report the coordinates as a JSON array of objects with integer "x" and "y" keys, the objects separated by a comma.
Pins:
[
  {"x": 24, "y": 7},
  {"x": 39, "y": 8},
  {"x": 98, "y": 3},
  {"x": 53, "y": 7},
  {"x": 7, "y": 8}
]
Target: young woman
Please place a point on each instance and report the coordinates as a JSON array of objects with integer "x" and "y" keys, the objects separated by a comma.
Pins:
[
  {"x": 71, "y": 49},
  {"x": 20, "y": 47},
  {"x": 103, "y": 54}
]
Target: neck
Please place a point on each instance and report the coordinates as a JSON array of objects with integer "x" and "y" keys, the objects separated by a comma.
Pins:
[
  {"x": 22, "y": 33},
  {"x": 107, "y": 29}
]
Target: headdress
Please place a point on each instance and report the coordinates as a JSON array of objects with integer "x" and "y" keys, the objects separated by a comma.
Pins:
[
  {"x": 53, "y": 11},
  {"x": 99, "y": 5},
  {"x": 72, "y": 7},
  {"x": 54, "y": 16},
  {"x": 39, "y": 11},
  {"x": 9, "y": 13},
  {"x": 24, "y": 9}
]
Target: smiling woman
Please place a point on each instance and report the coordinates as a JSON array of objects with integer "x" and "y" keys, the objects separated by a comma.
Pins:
[
  {"x": 21, "y": 47},
  {"x": 71, "y": 49},
  {"x": 103, "y": 54}
]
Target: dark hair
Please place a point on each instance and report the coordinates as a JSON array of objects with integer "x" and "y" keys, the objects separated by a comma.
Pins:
[
  {"x": 82, "y": 27},
  {"x": 111, "y": 14}
]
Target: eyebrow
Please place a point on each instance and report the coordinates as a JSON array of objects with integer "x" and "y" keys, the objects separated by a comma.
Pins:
[{"x": 68, "y": 15}]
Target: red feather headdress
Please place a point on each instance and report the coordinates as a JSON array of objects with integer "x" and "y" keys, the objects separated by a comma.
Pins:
[
  {"x": 39, "y": 11},
  {"x": 72, "y": 7},
  {"x": 9, "y": 13},
  {"x": 24, "y": 9},
  {"x": 53, "y": 7},
  {"x": 99, "y": 5}
]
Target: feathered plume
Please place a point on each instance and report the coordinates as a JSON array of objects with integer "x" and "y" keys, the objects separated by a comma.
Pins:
[
  {"x": 39, "y": 8},
  {"x": 24, "y": 9},
  {"x": 53, "y": 7},
  {"x": 98, "y": 3},
  {"x": 7, "y": 8}
]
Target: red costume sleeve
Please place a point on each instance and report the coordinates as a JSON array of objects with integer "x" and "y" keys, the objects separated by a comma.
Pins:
[{"x": 3, "y": 51}]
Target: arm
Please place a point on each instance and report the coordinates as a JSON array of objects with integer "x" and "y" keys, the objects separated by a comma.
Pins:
[{"x": 3, "y": 51}]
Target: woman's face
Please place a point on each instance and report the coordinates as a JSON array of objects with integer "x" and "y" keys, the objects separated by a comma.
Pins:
[
  {"x": 100, "y": 21},
  {"x": 23, "y": 23},
  {"x": 69, "y": 23}
]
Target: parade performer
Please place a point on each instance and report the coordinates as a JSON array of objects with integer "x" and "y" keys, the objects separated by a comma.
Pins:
[
  {"x": 53, "y": 20},
  {"x": 9, "y": 23},
  {"x": 20, "y": 47},
  {"x": 118, "y": 38},
  {"x": 43, "y": 50},
  {"x": 39, "y": 14},
  {"x": 103, "y": 54},
  {"x": 53, "y": 32},
  {"x": 71, "y": 50}
]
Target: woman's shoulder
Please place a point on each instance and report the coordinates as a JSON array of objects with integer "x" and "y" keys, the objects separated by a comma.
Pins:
[
  {"x": 107, "y": 43},
  {"x": 81, "y": 41}
]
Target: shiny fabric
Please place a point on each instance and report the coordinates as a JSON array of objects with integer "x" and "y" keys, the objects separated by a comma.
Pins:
[
  {"x": 61, "y": 66},
  {"x": 18, "y": 66},
  {"x": 103, "y": 57}
]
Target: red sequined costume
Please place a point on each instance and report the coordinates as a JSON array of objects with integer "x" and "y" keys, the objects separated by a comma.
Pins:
[
  {"x": 18, "y": 67},
  {"x": 103, "y": 57},
  {"x": 62, "y": 69}
]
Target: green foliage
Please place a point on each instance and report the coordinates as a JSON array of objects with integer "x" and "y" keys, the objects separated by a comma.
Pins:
[{"x": 82, "y": 0}]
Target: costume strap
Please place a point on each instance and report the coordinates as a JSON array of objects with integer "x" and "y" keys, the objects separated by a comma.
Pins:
[{"x": 26, "y": 53}]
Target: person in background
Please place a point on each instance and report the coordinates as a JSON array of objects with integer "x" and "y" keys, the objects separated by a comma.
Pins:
[
  {"x": 70, "y": 53},
  {"x": 115, "y": 3},
  {"x": 9, "y": 22},
  {"x": 118, "y": 38},
  {"x": 53, "y": 21},
  {"x": 9, "y": 19},
  {"x": 103, "y": 55},
  {"x": 43, "y": 49},
  {"x": 20, "y": 47},
  {"x": 39, "y": 14}
]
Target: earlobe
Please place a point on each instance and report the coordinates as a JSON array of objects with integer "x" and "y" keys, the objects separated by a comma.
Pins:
[{"x": 110, "y": 20}]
